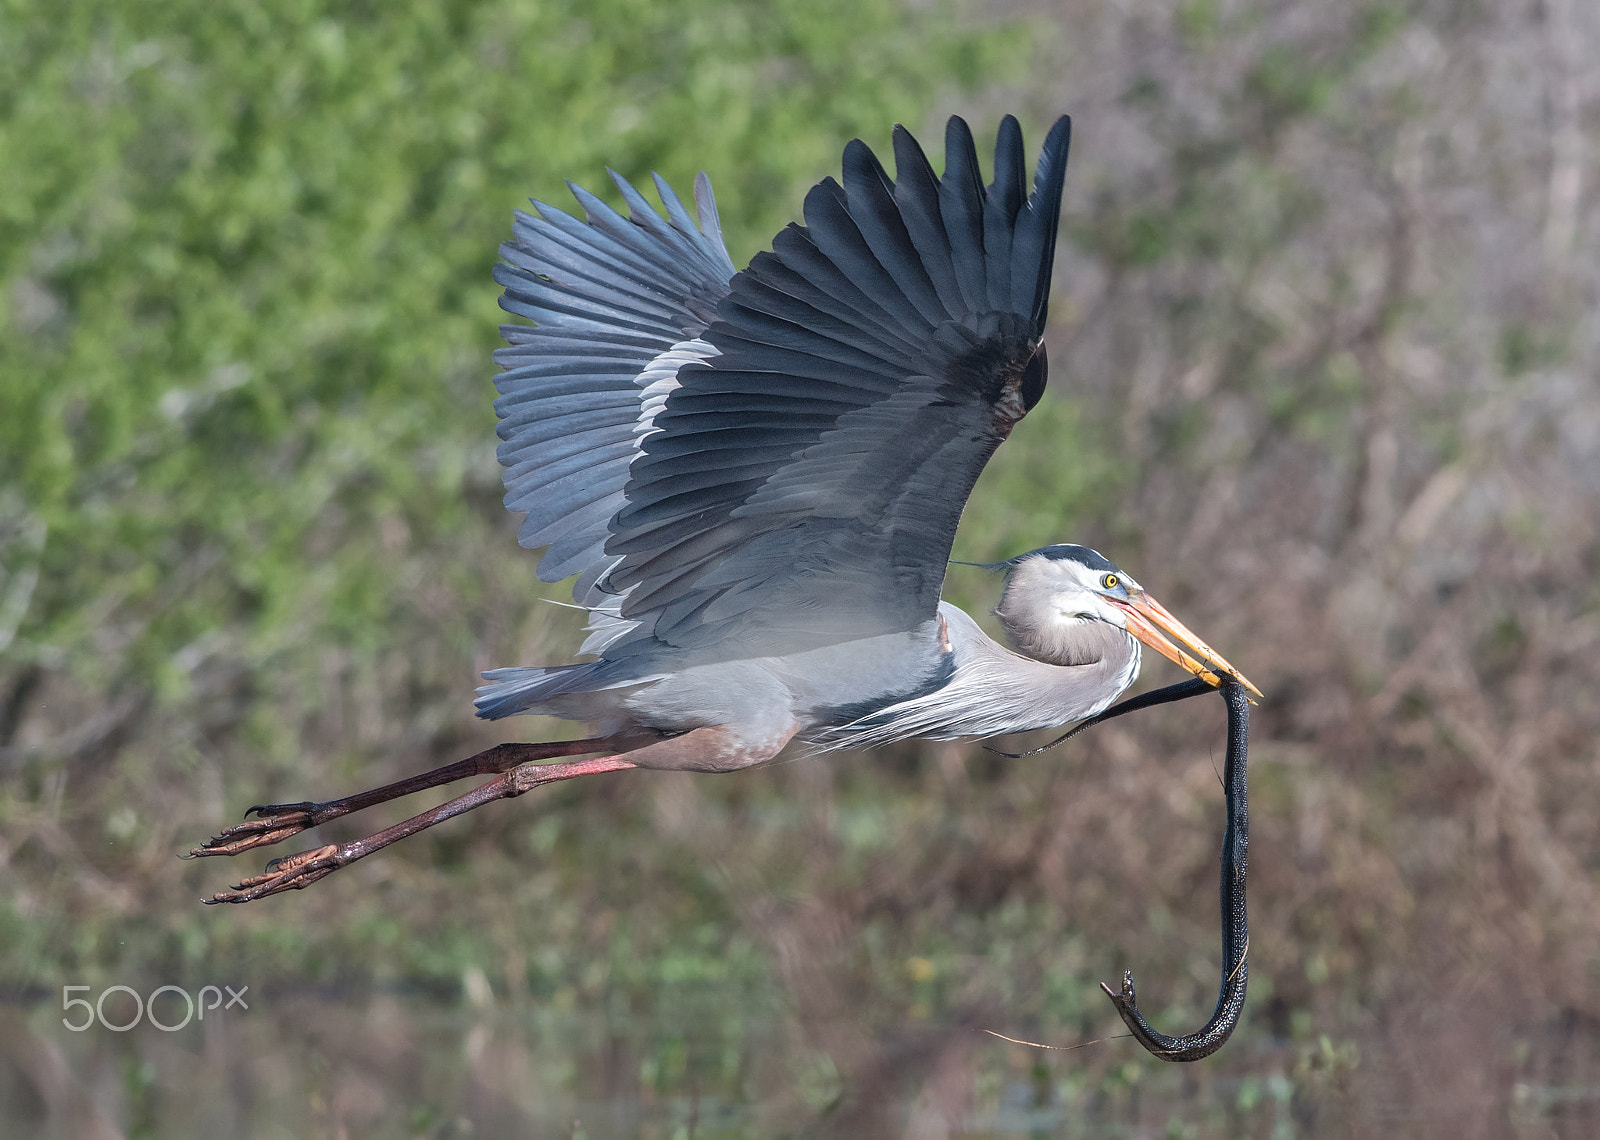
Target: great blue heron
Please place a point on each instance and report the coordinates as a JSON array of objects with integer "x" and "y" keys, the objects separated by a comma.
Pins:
[{"x": 756, "y": 478}]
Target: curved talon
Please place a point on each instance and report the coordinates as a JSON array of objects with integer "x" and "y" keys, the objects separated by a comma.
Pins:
[
  {"x": 1235, "y": 924},
  {"x": 290, "y": 873},
  {"x": 261, "y": 832},
  {"x": 305, "y": 806}
]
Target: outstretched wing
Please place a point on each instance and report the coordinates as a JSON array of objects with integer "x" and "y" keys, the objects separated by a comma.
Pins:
[
  {"x": 803, "y": 481},
  {"x": 620, "y": 304}
]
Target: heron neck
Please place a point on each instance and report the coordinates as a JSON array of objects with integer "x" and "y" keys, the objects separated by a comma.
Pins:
[
  {"x": 1047, "y": 682},
  {"x": 1068, "y": 643}
]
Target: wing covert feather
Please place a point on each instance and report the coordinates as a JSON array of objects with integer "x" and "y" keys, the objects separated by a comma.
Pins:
[
  {"x": 755, "y": 463},
  {"x": 802, "y": 484}
]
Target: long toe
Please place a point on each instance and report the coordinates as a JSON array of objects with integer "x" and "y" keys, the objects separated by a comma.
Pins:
[
  {"x": 253, "y": 833},
  {"x": 291, "y": 873}
]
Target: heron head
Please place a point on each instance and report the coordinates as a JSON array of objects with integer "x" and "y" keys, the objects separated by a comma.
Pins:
[{"x": 1055, "y": 595}]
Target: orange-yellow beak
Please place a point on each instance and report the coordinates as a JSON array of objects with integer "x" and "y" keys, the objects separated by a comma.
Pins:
[{"x": 1151, "y": 623}]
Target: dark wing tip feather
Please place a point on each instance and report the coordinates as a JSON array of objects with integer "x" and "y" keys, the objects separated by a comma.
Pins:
[
  {"x": 873, "y": 205},
  {"x": 1033, "y": 246},
  {"x": 916, "y": 192},
  {"x": 959, "y": 143},
  {"x": 1010, "y": 167},
  {"x": 961, "y": 196},
  {"x": 1000, "y": 208}
]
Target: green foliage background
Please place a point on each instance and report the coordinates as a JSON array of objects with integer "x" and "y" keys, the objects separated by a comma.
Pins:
[
  {"x": 249, "y": 250},
  {"x": 1322, "y": 376}
]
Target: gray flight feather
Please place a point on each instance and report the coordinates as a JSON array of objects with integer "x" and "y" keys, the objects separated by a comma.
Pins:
[{"x": 772, "y": 461}]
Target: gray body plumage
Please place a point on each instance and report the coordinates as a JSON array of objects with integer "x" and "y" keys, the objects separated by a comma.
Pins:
[
  {"x": 756, "y": 476},
  {"x": 945, "y": 680},
  {"x": 755, "y": 479}
]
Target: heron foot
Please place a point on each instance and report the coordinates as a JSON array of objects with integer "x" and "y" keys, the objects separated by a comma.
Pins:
[
  {"x": 291, "y": 873},
  {"x": 278, "y": 821},
  {"x": 273, "y": 824}
]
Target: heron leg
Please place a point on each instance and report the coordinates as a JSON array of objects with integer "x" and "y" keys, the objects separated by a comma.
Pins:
[
  {"x": 294, "y": 872},
  {"x": 711, "y": 748},
  {"x": 277, "y": 822}
]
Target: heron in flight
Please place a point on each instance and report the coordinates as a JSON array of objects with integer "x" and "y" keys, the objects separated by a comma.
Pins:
[{"x": 756, "y": 478}]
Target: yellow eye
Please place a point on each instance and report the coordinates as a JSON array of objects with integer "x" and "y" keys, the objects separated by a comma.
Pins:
[{"x": 1110, "y": 581}]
